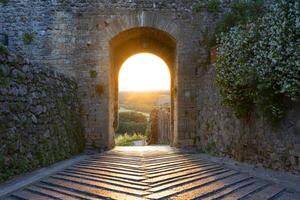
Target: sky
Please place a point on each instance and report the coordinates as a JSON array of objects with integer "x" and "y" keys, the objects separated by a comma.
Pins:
[{"x": 144, "y": 72}]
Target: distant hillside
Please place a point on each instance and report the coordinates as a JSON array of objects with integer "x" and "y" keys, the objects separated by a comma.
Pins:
[{"x": 143, "y": 101}]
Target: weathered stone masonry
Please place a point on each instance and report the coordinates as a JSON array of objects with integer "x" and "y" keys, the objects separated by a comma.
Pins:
[
  {"x": 159, "y": 129},
  {"x": 254, "y": 140},
  {"x": 76, "y": 38},
  {"x": 39, "y": 117}
]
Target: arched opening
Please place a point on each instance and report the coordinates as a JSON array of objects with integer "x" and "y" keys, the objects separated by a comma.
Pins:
[
  {"x": 135, "y": 41},
  {"x": 144, "y": 101}
]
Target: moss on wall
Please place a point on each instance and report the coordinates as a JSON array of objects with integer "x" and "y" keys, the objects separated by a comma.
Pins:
[{"x": 40, "y": 120}]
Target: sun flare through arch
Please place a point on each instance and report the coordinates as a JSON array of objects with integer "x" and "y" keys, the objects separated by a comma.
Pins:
[{"x": 144, "y": 72}]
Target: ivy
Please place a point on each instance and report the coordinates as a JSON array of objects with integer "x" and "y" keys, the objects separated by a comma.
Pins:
[
  {"x": 258, "y": 66},
  {"x": 4, "y": 2},
  {"x": 241, "y": 12}
]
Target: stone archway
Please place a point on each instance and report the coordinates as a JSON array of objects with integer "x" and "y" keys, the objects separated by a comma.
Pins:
[
  {"x": 93, "y": 55},
  {"x": 140, "y": 40}
]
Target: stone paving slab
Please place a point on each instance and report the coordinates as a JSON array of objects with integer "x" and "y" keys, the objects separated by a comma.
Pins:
[{"x": 151, "y": 173}]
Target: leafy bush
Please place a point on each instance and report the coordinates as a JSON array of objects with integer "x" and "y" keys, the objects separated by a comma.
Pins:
[
  {"x": 213, "y": 5},
  {"x": 198, "y": 7},
  {"x": 4, "y": 1},
  {"x": 132, "y": 117},
  {"x": 131, "y": 127},
  {"x": 126, "y": 139},
  {"x": 241, "y": 12},
  {"x": 258, "y": 64},
  {"x": 132, "y": 122}
]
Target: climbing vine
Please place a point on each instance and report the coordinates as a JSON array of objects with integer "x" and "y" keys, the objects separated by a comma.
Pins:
[
  {"x": 258, "y": 66},
  {"x": 241, "y": 12}
]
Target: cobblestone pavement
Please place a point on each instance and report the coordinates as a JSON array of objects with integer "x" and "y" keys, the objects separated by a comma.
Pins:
[{"x": 151, "y": 173}]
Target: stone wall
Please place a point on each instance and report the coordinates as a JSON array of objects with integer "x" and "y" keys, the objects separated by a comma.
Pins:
[
  {"x": 253, "y": 140},
  {"x": 39, "y": 117},
  {"x": 74, "y": 37},
  {"x": 159, "y": 127}
]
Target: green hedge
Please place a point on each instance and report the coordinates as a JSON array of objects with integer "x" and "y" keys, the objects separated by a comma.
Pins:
[{"x": 132, "y": 122}]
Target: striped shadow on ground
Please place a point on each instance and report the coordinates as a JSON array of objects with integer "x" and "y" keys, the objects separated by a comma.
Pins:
[{"x": 150, "y": 173}]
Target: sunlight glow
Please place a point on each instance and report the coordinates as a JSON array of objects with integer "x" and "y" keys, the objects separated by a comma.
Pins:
[{"x": 144, "y": 72}]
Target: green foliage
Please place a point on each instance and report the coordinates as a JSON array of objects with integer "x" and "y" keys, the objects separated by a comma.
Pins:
[
  {"x": 131, "y": 127},
  {"x": 142, "y": 101},
  {"x": 24, "y": 151},
  {"x": 210, "y": 5},
  {"x": 213, "y": 5},
  {"x": 132, "y": 122},
  {"x": 72, "y": 125},
  {"x": 258, "y": 64},
  {"x": 199, "y": 7},
  {"x": 28, "y": 38},
  {"x": 126, "y": 139},
  {"x": 242, "y": 12},
  {"x": 93, "y": 74},
  {"x": 4, "y": 2},
  {"x": 3, "y": 50},
  {"x": 132, "y": 117}
]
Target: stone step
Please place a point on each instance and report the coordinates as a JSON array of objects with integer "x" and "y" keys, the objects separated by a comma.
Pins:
[
  {"x": 194, "y": 172},
  {"x": 113, "y": 174},
  {"x": 106, "y": 169},
  {"x": 179, "y": 178},
  {"x": 90, "y": 190},
  {"x": 267, "y": 193},
  {"x": 95, "y": 183},
  {"x": 150, "y": 175},
  {"x": 53, "y": 194},
  {"x": 245, "y": 191},
  {"x": 172, "y": 191},
  {"x": 183, "y": 170},
  {"x": 118, "y": 183},
  {"x": 205, "y": 190},
  {"x": 89, "y": 174},
  {"x": 229, "y": 190}
]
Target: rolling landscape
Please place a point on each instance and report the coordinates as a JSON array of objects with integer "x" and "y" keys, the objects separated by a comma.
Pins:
[{"x": 143, "y": 101}]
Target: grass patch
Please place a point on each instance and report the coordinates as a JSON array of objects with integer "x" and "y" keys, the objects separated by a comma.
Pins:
[{"x": 126, "y": 139}]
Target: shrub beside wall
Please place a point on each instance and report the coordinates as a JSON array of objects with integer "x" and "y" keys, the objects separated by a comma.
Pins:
[
  {"x": 258, "y": 64},
  {"x": 257, "y": 76},
  {"x": 39, "y": 117},
  {"x": 132, "y": 122}
]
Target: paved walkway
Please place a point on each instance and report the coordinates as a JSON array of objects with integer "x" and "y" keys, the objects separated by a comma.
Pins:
[{"x": 150, "y": 173}]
